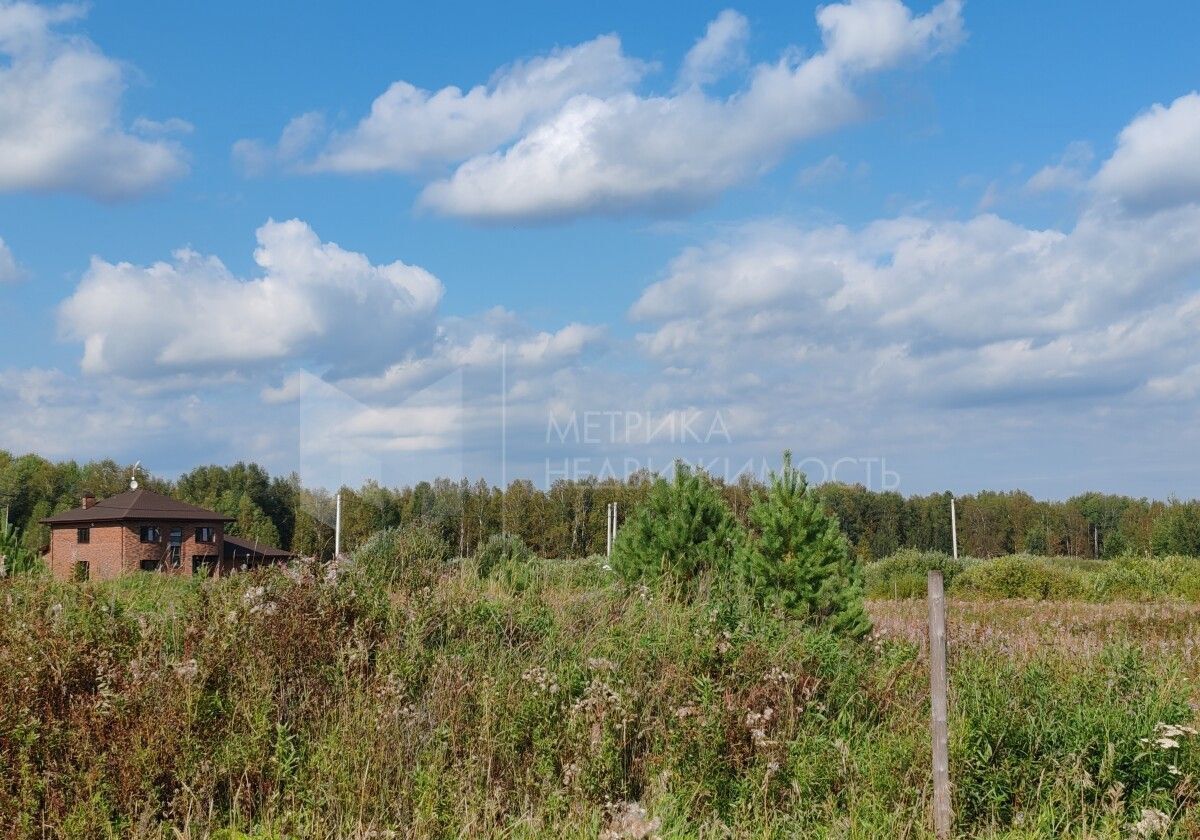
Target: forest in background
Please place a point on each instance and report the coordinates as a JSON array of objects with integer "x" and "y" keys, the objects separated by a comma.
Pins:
[{"x": 568, "y": 518}]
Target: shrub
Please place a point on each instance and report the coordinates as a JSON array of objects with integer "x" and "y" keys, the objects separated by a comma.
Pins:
[
  {"x": 904, "y": 574},
  {"x": 1177, "y": 530},
  {"x": 796, "y": 557},
  {"x": 1183, "y": 576},
  {"x": 681, "y": 530},
  {"x": 507, "y": 551},
  {"x": 1139, "y": 578},
  {"x": 1021, "y": 576},
  {"x": 15, "y": 557},
  {"x": 412, "y": 556}
]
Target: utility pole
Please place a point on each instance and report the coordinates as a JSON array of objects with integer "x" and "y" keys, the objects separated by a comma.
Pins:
[
  {"x": 611, "y": 512},
  {"x": 608, "y": 530},
  {"x": 954, "y": 527},
  {"x": 337, "y": 528}
]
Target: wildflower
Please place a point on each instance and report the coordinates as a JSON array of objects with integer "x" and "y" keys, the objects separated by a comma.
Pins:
[
  {"x": 541, "y": 679},
  {"x": 1153, "y": 823},
  {"x": 599, "y": 663},
  {"x": 187, "y": 670},
  {"x": 685, "y": 712},
  {"x": 629, "y": 821},
  {"x": 266, "y": 608},
  {"x": 757, "y": 723},
  {"x": 1167, "y": 735}
]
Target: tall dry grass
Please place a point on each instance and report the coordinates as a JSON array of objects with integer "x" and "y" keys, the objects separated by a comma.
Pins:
[{"x": 546, "y": 700}]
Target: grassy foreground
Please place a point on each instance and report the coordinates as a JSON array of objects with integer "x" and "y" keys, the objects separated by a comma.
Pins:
[{"x": 551, "y": 701}]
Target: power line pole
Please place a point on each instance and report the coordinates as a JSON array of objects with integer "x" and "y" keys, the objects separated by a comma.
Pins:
[
  {"x": 611, "y": 533},
  {"x": 954, "y": 527},
  {"x": 337, "y": 528}
]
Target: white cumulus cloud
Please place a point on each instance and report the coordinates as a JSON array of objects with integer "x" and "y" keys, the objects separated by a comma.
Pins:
[
  {"x": 602, "y": 154},
  {"x": 1157, "y": 160},
  {"x": 410, "y": 129},
  {"x": 973, "y": 312},
  {"x": 722, "y": 47},
  {"x": 570, "y": 133},
  {"x": 60, "y": 122},
  {"x": 313, "y": 302}
]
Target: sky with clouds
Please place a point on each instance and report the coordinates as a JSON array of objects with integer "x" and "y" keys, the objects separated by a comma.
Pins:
[{"x": 940, "y": 245}]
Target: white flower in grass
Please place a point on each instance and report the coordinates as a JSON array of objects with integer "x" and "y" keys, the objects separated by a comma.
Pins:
[
  {"x": 253, "y": 595},
  {"x": 1167, "y": 735},
  {"x": 1154, "y": 823},
  {"x": 187, "y": 670},
  {"x": 629, "y": 821}
]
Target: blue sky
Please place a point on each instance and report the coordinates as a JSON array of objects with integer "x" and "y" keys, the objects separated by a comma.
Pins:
[{"x": 955, "y": 239}]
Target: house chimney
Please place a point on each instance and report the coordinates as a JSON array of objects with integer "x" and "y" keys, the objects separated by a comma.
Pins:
[{"x": 89, "y": 499}]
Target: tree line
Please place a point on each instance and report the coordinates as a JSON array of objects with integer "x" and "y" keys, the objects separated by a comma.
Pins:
[{"x": 567, "y": 519}]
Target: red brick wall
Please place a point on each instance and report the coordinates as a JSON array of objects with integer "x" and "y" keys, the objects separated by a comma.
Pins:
[
  {"x": 102, "y": 552},
  {"x": 117, "y": 549}
]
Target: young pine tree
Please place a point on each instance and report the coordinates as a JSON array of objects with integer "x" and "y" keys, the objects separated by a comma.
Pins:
[
  {"x": 796, "y": 557},
  {"x": 682, "y": 529}
]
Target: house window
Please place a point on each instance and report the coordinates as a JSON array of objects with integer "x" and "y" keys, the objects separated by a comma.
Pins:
[
  {"x": 151, "y": 534},
  {"x": 81, "y": 570},
  {"x": 83, "y": 536},
  {"x": 206, "y": 534},
  {"x": 204, "y": 564},
  {"x": 175, "y": 547},
  {"x": 149, "y": 564}
]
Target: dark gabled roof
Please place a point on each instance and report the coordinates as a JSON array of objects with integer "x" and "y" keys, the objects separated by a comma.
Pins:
[
  {"x": 249, "y": 547},
  {"x": 141, "y": 505}
]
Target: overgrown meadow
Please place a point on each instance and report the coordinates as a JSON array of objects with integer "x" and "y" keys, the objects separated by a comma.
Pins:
[{"x": 403, "y": 694}]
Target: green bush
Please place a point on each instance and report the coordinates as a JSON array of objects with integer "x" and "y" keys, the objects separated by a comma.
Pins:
[
  {"x": 412, "y": 556},
  {"x": 1140, "y": 578},
  {"x": 1021, "y": 576},
  {"x": 904, "y": 574},
  {"x": 15, "y": 557},
  {"x": 1182, "y": 576},
  {"x": 503, "y": 551},
  {"x": 1177, "y": 530},
  {"x": 1125, "y": 578},
  {"x": 795, "y": 556},
  {"x": 682, "y": 529}
]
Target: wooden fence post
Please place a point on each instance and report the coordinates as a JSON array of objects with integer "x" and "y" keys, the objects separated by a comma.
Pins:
[{"x": 938, "y": 705}]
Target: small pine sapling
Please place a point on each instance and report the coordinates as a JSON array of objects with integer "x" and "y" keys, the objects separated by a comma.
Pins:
[
  {"x": 796, "y": 557},
  {"x": 683, "y": 528}
]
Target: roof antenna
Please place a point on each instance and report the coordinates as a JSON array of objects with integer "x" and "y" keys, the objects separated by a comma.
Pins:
[{"x": 133, "y": 485}]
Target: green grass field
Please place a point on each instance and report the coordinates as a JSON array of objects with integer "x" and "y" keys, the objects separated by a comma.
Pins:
[{"x": 549, "y": 700}]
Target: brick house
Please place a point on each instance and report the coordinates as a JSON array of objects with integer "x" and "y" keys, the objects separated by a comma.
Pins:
[{"x": 141, "y": 530}]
